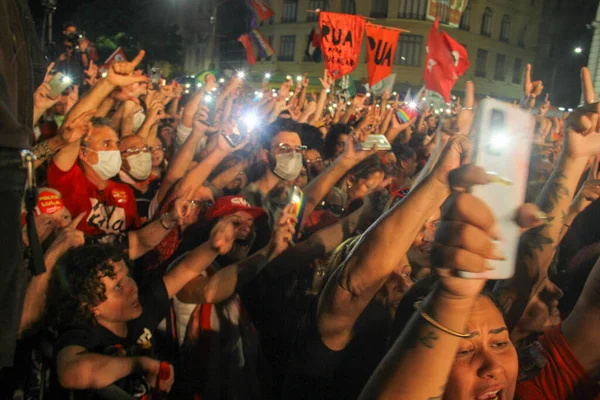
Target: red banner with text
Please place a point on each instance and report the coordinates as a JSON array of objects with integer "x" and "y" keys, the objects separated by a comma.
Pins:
[
  {"x": 341, "y": 39},
  {"x": 381, "y": 49}
]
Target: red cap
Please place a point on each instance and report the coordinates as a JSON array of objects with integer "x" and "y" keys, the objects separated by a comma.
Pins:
[{"x": 227, "y": 205}]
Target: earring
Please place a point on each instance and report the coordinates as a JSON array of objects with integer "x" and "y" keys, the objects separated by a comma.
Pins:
[{"x": 348, "y": 185}]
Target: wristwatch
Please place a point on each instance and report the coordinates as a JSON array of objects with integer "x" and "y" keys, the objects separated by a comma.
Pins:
[{"x": 165, "y": 224}]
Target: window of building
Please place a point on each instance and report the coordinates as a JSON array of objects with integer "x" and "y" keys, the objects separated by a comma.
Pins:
[
  {"x": 505, "y": 29},
  {"x": 290, "y": 11},
  {"x": 465, "y": 19},
  {"x": 412, "y": 9},
  {"x": 486, "y": 22},
  {"x": 349, "y": 7},
  {"x": 379, "y": 9},
  {"x": 410, "y": 50},
  {"x": 315, "y": 5},
  {"x": 499, "y": 71},
  {"x": 521, "y": 41},
  {"x": 516, "y": 78},
  {"x": 443, "y": 11},
  {"x": 481, "y": 63},
  {"x": 287, "y": 48}
]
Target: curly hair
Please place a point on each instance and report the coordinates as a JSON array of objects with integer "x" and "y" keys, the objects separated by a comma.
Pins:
[
  {"x": 332, "y": 137},
  {"x": 76, "y": 286}
]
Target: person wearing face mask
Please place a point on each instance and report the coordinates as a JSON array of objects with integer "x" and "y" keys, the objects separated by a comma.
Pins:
[
  {"x": 84, "y": 174},
  {"x": 282, "y": 155},
  {"x": 136, "y": 168}
]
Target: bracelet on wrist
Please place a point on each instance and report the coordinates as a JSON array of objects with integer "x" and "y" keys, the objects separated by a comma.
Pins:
[
  {"x": 441, "y": 327},
  {"x": 164, "y": 224}
]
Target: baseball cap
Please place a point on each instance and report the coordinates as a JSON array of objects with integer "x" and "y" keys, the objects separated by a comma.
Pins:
[{"x": 227, "y": 205}]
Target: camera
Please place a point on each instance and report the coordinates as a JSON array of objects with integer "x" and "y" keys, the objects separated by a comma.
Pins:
[{"x": 74, "y": 38}]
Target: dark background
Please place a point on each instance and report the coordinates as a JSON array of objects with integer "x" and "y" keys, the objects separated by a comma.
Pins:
[{"x": 149, "y": 24}]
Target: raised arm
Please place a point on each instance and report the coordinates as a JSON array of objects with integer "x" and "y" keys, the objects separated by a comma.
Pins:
[
  {"x": 193, "y": 263},
  {"x": 327, "y": 82},
  {"x": 382, "y": 247},
  {"x": 228, "y": 280},
  {"x": 181, "y": 163},
  {"x": 419, "y": 362},
  {"x": 145, "y": 239},
  {"x": 537, "y": 247},
  {"x": 318, "y": 188}
]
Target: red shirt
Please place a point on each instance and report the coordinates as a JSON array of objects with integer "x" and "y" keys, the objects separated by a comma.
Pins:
[
  {"x": 112, "y": 210},
  {"x": 549, "y": 370}
]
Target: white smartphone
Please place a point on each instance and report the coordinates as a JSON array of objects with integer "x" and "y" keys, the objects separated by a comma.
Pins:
[
  {"x": 58, "y": 84},
  {"x": 380, "y": 140},
  {"x": 503, "y": 135}
]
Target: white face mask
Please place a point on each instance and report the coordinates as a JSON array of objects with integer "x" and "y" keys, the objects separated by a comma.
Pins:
[
  {"x": 108, "y": 165},
  {"x": 288, "y": 165},
  {"x": 140, "y": 166}
]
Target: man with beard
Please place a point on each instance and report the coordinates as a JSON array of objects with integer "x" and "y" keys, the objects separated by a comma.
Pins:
[{"x": 219, "y": 349}]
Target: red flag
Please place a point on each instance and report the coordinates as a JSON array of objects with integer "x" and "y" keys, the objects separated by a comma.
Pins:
[
  {"x": 341, "y": 39},
  {"x": 117, "y": 55},
  {"x": 245, "y": 41},
  {"x": 263, "y": 12},
  {"x": 381, "y": 49},
  {"x": 459, "y": 54},
  {"x": 446, "y": 60}
]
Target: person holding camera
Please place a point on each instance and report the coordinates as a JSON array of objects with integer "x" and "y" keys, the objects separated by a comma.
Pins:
[{"x": 79, "y": 51}]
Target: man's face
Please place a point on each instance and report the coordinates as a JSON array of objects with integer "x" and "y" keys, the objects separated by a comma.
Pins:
[
  {"x": 102, "y": 138},
  {"x": 60, "y": 108},
  {"x": 283, "y": 142},
  {"x": 69, "y": 30},
  {"x": 130, "y": 146},
  {"x": 431, "y": 122},
  {"x": 122, "y": 303},
  {"x": 410, "y": 166}
]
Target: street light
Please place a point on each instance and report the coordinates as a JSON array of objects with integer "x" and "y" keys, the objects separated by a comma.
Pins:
[{"x": 577, "y": 50}]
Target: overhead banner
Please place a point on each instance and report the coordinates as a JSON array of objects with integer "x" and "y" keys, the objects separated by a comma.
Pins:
[
  {"x": 381, "y": 50},
  {"x": 247, "y": 43},
  {"x": 341, "y": 39},
  {"x": 449, "y": 11}
]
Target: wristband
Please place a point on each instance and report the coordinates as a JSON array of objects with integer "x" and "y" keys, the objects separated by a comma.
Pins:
[
  {"x": 441, "y": 327},
  {"x": 163, "y": 224}
]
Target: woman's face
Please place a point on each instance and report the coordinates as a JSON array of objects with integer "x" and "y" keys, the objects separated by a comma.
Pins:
[
  {"x": 486, "y": 365},
  {"x": 340, "y": 144},
  {"x": 364, "y": 186},
  {"x": 302, "y": 180},
  {"x": 158, "y": 153},
  {"x": 541, "y": 313},
  {"x": 420, "y": 250}
]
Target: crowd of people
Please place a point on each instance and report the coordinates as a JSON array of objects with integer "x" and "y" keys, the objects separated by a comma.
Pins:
[{"x": 179, "y": 264}]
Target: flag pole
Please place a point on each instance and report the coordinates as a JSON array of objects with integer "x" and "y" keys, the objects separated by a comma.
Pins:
[
  {"x": 318, "y": 11},
  {"x": 389, "y": 27}
]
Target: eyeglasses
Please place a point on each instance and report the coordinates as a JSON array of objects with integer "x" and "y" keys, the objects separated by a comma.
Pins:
[
  {"x": 335, "y": 209},
  {"x": 317, "y": 160},
  {"x": 286, "y": 148},
  {"x": 135, "y": 150},
  {"x": 158, "y": 148}
]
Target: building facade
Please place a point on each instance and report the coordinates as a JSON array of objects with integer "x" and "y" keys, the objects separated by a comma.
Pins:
[{"x": 500, "y": 36}]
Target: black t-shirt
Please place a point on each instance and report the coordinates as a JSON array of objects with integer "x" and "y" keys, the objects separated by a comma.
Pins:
[
  {"x": 317, "y": 372},
  {"x": 155, "y": 304}
]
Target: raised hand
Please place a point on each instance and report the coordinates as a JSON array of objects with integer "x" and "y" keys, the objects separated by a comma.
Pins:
[
  {"x": 386, "y": 94},
  {"x": 78, "y": 129},
  {"x": 465, "y": 115},
  {"x": 72, "y": 97},
  {"x": 42, "y": 99},
  {"x": 156, "y": 112},
  {"x": 48, "y": 77},
  {"x": 120, "y": 73},
  {"x": 283, "y": 231},
  {"x": 589, "y": 192},
  {"x": 530, "y": 89},
  {"x": 326, "y": 81},
  {"x": 305, "y": 81},
  {"x": 68, "y": 238},
  {"x": 223, "y": 234},
  {"x": 581, "y": 138},
  {"x": 545, "y": 107},
  {"x": 91, "y": 73},
  {"x": 352, "y": 151}
]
